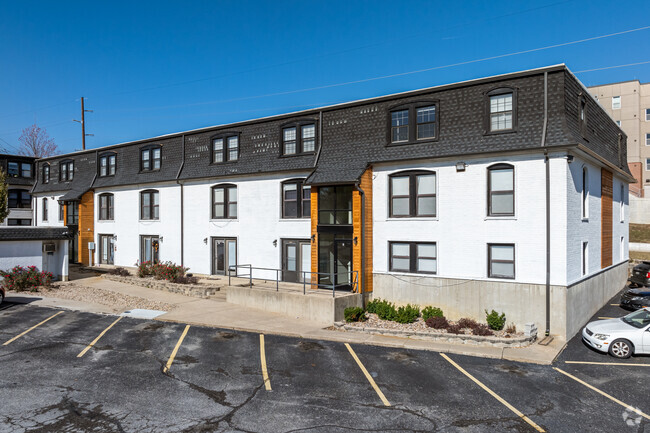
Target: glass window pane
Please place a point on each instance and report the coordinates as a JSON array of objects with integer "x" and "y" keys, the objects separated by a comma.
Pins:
[
  {"x": 326, "y": 217},
  {"x": 218, "y": 195},
  {"x": 146, "y": 199},
  {"x": 291, "y": 209},
  {"x": 156, "y": 154},
  {"x": 219, "y": 210},
  {"x": 401, "y": 133},
  {"x": 401, "y": 264},
  {"x": 501, "y": 180},
  {"x": 427, "y": 130},
  {"x": 309, "y": 131},
  {"x": 427, "y": 265},
  {"x": 502, "y": 252},
  {"x": 155, "y": 198},
  {"x": 291, "y": 257},
  {"x": 232, "y": 194},
  {"x": 12, "y": 169},
  {"x": 503, "y": 269},
  {"x": 306, "y": 208},
  {"x": 502, "y": 203},
  {"x": 400, "y": 118},
  {"x": 306, "y": 193},
  {"x": 289, "y": 134},
  {"x": 401, "y": 250},
  {"x": 232, "y": 210},
  {"x": 145, "y": 155},
  {"x": 400, "y": 206},
  {"x": 289, "y": 147},
  {"x": 309, "y": 145},
  {"x": 426, "y": 114},
  {"x": 426, "y": 250},
  {"x": 26, "y": 169},
  {"x": 217, "y": 144},
  {"x": 400, "y": 185},
  {"x": 290, "y": 191},
  {"x": 233, "y": 142},
  {"x": 426, "y": 184}
]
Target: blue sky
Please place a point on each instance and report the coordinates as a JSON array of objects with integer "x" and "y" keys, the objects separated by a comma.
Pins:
[{"x": 151, "y": 68}]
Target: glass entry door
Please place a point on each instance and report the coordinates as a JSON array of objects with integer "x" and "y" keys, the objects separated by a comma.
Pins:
[
  {"x": 106, "y": 250},
  {"x": 224, "y": 255},
  {"x": 335, "y": 260},
  {"x": 149, "y": 249},
  {"x": 296, "y": 258}
]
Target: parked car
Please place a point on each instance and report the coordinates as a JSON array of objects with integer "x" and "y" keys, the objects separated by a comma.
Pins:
[
  {"x": 636, "y": 298},
  {"x": 640, "y": 275},
  {"x": 620, "y": 337}
]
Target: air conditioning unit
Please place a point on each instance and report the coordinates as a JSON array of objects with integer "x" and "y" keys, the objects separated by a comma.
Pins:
[{"x": 49, "y": 247}]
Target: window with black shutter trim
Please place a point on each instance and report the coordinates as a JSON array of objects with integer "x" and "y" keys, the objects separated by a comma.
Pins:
[{"x": 296, "y": 199}]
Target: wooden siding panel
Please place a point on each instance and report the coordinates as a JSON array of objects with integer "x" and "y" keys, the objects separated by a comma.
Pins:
[
  {"x": 314, "y": 237},
  {"x": 86, "y": 226},
  {"x": 366, "y": 274},
  {"x": 606, "y": 193}
]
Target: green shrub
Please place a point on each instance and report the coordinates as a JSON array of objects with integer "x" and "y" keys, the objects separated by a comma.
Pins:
[
  {"x": 22, "y": 279},
  {"x": 384, "y": 309},
  {"x": 429, "y": 312},
  {"x": 437, "y": 322},
  {"x": 407, "y": 314},
  {"x": 494, "y": 320},
  {"x": 354, "y": 314}
]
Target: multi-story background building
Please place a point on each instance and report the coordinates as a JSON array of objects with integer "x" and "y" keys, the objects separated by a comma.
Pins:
[
  {"x": 20, "y": 180},
  {"x": 506, "y": 193},
  {"x": 628, "y": 103}
]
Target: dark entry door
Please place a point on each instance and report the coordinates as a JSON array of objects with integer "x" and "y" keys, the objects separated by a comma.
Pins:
[
  {"x": 149, "y": 249},
  {"x": 335, "y": 260},
  {"x": 296, "y": 259},
  {"x": 224, "y": 255},
  {"x": 106, "y": 249}
]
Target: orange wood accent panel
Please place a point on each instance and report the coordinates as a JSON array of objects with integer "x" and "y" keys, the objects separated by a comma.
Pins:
[
  {"x": 366, "y": 186},
  {"x": 606, "y": 193},
  {"x": 86, "y": 225},
  {"x": 314, "y": 235}
]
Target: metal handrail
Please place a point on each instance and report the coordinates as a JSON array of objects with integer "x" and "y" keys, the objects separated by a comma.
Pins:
[{"x": 235, "y": 268}]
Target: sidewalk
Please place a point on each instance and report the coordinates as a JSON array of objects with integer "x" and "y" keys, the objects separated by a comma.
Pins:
[{"x": 216, "y": 312}]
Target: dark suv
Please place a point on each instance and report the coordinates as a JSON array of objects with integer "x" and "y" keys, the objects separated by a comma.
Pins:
[
  {"x": 640, "y": 275},
  {"x": 638, "y": 295}
]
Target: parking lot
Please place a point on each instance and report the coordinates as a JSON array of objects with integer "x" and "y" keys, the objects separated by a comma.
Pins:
[{"x": 71, "y": 371}]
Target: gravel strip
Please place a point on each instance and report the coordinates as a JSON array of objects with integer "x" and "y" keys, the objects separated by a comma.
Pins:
[{"x": 119, "y": 301}]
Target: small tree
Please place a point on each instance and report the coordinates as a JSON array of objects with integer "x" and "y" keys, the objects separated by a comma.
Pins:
[
  {"x": 4, "y": 211},
  {"x": 35, "y": 142}
]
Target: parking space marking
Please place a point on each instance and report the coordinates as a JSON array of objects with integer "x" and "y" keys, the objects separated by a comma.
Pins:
[
  {"x": 607, "y": 363},
  {"x": 605, "y": 318},
  {"x": 615, "y": 305},
  {"x": 32, "y": 328},
  {"x": 604, "y": 394},
  {"x": 178, "y": 345},
  {"x": 83, "y": 352},
  {"x": 493, "y": 394},
  {"x": 265, "y": 372},
  {"x": 368, "y": 376}
]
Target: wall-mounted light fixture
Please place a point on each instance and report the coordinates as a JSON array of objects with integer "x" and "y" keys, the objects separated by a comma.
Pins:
[
  {"x": 275, "y": 243},
  {"x": 569, "y": 159},
  {"x": 313, "y": 238},
  {"x": 460, "y": 166},
  {"x": 161, "y": 239},
  {"x": 205, "y": 241},
  {"x": 115, "y": 238},
  {"x": 356, "y": 240}
]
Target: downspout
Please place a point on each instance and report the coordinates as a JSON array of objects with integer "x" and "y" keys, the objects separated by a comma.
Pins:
[
  {"x": 320, "y": 138},
  {"x": 548, "y": 210},
  {"x": 362, "y": 280},
  {"x": 182, "y": 205},
  {"x": 31, "y": 191}
]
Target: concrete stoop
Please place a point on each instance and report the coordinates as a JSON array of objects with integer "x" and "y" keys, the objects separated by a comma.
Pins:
[{"x": 321, "y": 307}]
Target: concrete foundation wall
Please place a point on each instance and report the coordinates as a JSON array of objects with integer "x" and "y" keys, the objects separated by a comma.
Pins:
[
  {"x": 586, "y": 297},
  {"x": 320, "y": 309}
]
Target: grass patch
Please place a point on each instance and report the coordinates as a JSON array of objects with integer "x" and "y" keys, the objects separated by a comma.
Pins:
[
  {"x": 640, "y": 233},
  {"x": 638, "y": 255}
]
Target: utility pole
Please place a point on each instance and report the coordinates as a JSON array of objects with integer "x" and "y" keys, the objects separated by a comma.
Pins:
[{"x": 83, "y": 124}]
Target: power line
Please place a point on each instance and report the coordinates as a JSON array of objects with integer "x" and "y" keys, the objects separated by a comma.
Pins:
[
  {"x": 418, "y": 71},
  {"x": 36, "y": 109},
  {"x": 612, "y": 67}
]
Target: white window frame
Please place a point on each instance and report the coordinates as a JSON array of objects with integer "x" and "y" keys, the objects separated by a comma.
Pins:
[
  {"x": 584, "y": 199},
  {"x": 647, "y": 114},
  {"x": 622, "y": 205},
  {"x": 647, "y": 139},
  {"x": 616, "y": 102},
  {"x": 647, "y": 164}
]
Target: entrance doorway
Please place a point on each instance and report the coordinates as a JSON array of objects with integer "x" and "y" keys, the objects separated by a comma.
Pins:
[
  {"x": 106, "y": 250},
  {"x": 296, "y": 259},
  {"x": 149, "y": 249},
  {"x": 224, "y": 255},
  {"x": 335, "y": 260}
]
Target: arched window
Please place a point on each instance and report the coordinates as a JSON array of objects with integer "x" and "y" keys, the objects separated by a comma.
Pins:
[
  {"x": 296, "y": 199},
  {"x": 106, "y": 207},
  {"x": 409, "y": 123},
  {"x": 585, "y": 193},
  {"x": 224, "y": 201},
  {"x": 107, "y": 164},
  {"x": 225, "y": 147},
  {"x": 149, "y": 205},
  {"x": 501, "y": 190},
  {"x": 150, "y": 158},
  {"x": 299, "y": 137},
  {"x": 66, "y": 170},
  {"x": 46, "y": 173},
  {"x": 413, "y": 194},
  {"x": 501, "y": 106}
]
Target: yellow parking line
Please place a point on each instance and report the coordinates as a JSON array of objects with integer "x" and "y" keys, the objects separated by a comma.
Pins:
[
  {"x": 173, "y": 355},
  {"x": 607, "y": 363},
  {"x": 605, "y": 318},
  {"x": 604, "y": 394},
  {"x": 615, "y": 305},
  {"x": 83, "y": 352},
  {"x": 32, "y": 328},
  {"x": 265, "y": 372},
  {"x": 368, "y": 376},
  {"x": 493, "y": 394}
]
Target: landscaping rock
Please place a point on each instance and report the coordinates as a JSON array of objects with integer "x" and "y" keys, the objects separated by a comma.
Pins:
[{"x": 196, "y": 290}]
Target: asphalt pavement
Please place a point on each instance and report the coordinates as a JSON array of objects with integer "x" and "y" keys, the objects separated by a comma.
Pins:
[{"x": 62, "y": 370}]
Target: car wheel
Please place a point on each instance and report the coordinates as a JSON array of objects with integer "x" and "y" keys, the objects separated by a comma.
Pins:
[{"x": 621, "y": 349}]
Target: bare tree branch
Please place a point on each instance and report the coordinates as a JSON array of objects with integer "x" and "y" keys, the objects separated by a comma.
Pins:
[{"x": 35, "y": 142}]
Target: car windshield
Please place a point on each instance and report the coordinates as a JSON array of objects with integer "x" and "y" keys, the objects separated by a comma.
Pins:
[{"x": 638, "y": 319}]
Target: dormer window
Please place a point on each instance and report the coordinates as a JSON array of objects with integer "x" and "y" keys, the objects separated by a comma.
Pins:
[
  {"x": 19, "y": 169},
  {"x": 46, "y": 173},
  {"x": 225, "y": 148},
  {"x": 107, "y": 164},
  {"x": 502, "y": 110},
  {"x": 299, "y": 138},
  {"x": 413, "y": 122},
  {"x": 150, "y": 158},
  {"x": 66, "y": 171}
]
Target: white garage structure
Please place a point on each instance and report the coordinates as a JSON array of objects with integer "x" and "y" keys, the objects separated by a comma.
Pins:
[{"x": 43, "y": 247}]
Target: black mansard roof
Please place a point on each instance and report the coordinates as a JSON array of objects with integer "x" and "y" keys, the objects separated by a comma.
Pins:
[
  {"x": 356, "y": 134},
  {"x": 34, "y": 233}
]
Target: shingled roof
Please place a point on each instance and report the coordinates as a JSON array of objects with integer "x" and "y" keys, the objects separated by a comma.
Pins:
[{"x": 34, "y": 233}]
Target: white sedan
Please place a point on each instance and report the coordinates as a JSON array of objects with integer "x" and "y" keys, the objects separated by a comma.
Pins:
[{"x": 621, "y": 337}]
